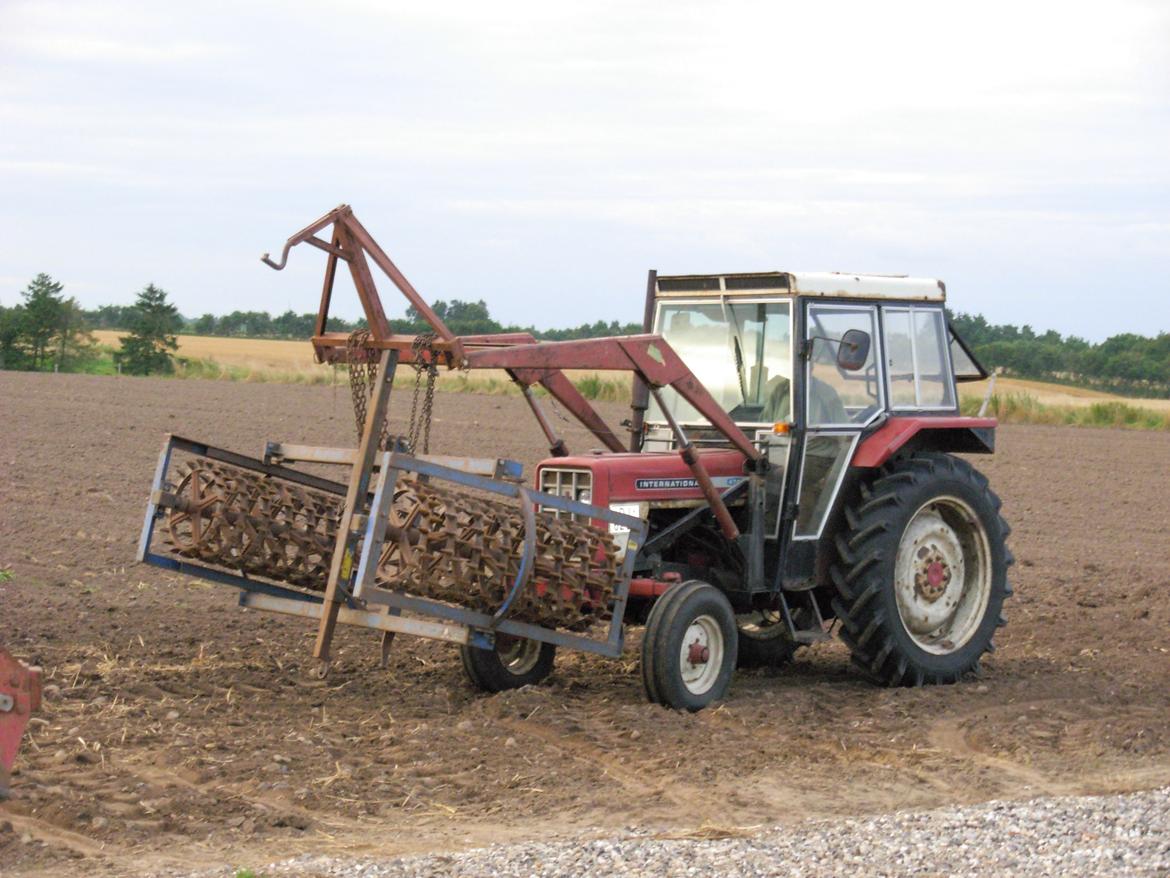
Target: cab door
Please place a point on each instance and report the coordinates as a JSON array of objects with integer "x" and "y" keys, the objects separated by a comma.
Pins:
[{"x": 838, "y": 404}]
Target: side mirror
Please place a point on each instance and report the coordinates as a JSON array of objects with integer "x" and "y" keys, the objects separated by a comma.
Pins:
[{"x": 853, "y": 350}]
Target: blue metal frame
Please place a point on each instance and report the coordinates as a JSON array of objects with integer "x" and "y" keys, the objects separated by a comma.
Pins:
[{"x": 484, "y": 626}]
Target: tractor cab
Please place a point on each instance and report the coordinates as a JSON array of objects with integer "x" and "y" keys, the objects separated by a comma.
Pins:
[
  {"x": 864, "y": 345},
  {"x": 810, "y": 361}
]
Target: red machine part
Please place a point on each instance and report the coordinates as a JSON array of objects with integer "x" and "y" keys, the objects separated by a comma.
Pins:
[
  {"x": 20, "y": 695},
  {"x": 654, "y": 476},
  {"x": 884, "y": 442}
]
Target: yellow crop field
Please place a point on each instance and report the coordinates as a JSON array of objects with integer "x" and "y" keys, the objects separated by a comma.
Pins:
[
  {"x": 1046, "y": 393},
  {"x": 260, "y": 355},
  {"x": 263, "y": 359}
]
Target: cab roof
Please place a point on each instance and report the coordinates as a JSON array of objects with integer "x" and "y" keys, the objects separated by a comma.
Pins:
[{"x": 806, "y": 283}]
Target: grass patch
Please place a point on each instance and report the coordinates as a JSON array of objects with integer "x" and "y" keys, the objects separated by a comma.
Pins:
[
  {"x": 604, "y": 389},
  {"x": 1022, "y": 408}
]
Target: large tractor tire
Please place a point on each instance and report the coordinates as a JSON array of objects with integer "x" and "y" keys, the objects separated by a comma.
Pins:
[
  {"x": 921, "y": 572},
  {"x": 515, "y": 662},
  {"x": 689, "y": 647}
]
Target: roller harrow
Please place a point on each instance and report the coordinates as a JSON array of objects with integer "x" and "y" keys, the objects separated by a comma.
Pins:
[{"x": 441, "y": 542}]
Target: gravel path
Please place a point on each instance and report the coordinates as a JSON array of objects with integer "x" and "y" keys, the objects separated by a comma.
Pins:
[{"x": 1090, "y": 835}]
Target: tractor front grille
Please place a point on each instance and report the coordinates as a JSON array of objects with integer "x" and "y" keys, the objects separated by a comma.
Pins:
[{"x": 576, "y": 484}]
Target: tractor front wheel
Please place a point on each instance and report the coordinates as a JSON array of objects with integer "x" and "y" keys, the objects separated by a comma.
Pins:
[
  {"x": 689, "y": 647},
  {"x": 515, "y": 662},
  {"x": 921, "y": 573}
]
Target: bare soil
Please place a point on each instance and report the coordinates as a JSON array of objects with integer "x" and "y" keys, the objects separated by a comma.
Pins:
[{"x": 180, "y": 731}]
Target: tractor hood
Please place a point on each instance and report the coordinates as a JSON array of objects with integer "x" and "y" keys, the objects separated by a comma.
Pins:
[{"x": 642, "y": 477}]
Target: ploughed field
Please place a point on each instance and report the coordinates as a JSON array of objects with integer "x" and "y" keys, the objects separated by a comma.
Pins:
[{"x": 181, "y": 731}]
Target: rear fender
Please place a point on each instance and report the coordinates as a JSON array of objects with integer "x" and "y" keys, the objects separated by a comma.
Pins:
[{"x": 948, "y": 434}]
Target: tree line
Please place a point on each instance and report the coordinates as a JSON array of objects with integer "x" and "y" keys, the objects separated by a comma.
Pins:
[
  {"x": 463, "y": 318},
  {"x": 47, "y": 330},
  {"x": 1127, "y": 363}
]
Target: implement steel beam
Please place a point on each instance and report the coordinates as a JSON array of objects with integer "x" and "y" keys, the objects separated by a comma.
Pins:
[
  {"x": 341, "y": 567},
  {"x": 447, "y": 631}
]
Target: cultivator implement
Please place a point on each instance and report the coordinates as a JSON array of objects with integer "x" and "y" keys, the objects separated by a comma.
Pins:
[
  {"x": 441, "y": 542},
  {"x": 436, "y": 539}
]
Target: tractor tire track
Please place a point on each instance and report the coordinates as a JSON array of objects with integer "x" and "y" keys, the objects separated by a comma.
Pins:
[{"x": 582, "y": 750}]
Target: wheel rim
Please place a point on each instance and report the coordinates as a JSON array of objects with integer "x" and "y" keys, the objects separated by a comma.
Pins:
[
  {"x": 701, "y": 655},
  {"x": 942, "y": 575},
  {"x": 519, "y": 655}
]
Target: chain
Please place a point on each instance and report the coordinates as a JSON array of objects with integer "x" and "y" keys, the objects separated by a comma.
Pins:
[
  {"x": 363, "y": 373},
  {"x": 426, "y": 360}
]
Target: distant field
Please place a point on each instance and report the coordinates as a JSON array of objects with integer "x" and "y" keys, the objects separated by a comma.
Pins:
[
  {"x": 1060, "y": 394},
  {"x": 270, "y": 359},
  {"x": 252, "y": 354},
  {"x": 261, "y": 359}
]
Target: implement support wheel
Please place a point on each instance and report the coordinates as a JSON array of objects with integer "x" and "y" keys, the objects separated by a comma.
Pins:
[
  {"x": 689, "y": 647},
  {"x": 515, "y": 662}
]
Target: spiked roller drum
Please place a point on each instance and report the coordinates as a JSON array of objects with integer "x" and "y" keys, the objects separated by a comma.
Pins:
[{"x": 442, "y": 542}]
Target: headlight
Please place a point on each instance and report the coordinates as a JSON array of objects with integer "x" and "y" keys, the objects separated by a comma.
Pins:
[{"x": 572, "y": 484}]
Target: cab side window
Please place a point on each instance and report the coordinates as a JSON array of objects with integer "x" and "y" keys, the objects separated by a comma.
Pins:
[
  {"x": 918, "y": 366},
  {"x": 837, "y": 397}
]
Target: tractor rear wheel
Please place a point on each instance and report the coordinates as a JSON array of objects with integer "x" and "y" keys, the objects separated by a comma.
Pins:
[
  {"x": 515, "y": 662},
  {"x": 921, "y": 572},
  {"x": 689, "y": 647}
]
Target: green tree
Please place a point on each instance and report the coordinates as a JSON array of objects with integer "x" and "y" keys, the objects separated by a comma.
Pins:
[
  {"x": 205, "y": 325},
  {"x": 74, "y": 345},
  {"x": 12, "y": 352},
  {"x": 109, "y": 317},
  {"x": 44, "y": 308},
  {"x": 150, "y": 345}
]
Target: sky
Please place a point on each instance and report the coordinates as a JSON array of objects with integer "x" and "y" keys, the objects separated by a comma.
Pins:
[{"x": 542, "y": 156}]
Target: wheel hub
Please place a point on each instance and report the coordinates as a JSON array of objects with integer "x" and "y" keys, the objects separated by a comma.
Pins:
[
  {"x": 518, "y": 655},
  {"x": 932, "y": 573},
  {"x": 698, "y": 654},
  {"x": 701, "y": 654}
]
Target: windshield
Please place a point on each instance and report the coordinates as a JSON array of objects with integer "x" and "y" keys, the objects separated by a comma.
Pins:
[{"x": 740, "y": 351}]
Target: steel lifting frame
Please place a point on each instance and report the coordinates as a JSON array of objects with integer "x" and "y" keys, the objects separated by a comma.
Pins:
[{"x": 650, "y": 358}]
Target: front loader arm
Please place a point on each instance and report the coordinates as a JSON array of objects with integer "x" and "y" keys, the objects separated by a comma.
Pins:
[
  {"x": 527, "y": 361},
  {"x": 648, "y": 356}
]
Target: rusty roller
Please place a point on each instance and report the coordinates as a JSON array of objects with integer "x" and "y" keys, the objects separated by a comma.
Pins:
[{"x": 442, "y": 542}]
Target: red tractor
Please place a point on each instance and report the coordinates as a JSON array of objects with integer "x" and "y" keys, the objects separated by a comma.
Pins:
[
  {"x": 856, "y": 510},
  {"x": 790, "y": 464}
]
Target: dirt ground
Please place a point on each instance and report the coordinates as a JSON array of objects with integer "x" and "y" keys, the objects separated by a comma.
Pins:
[{"x": 180, "y": 731}]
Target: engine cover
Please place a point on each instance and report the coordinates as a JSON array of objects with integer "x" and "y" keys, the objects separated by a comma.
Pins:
[{"x": 656, "y": 478}]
